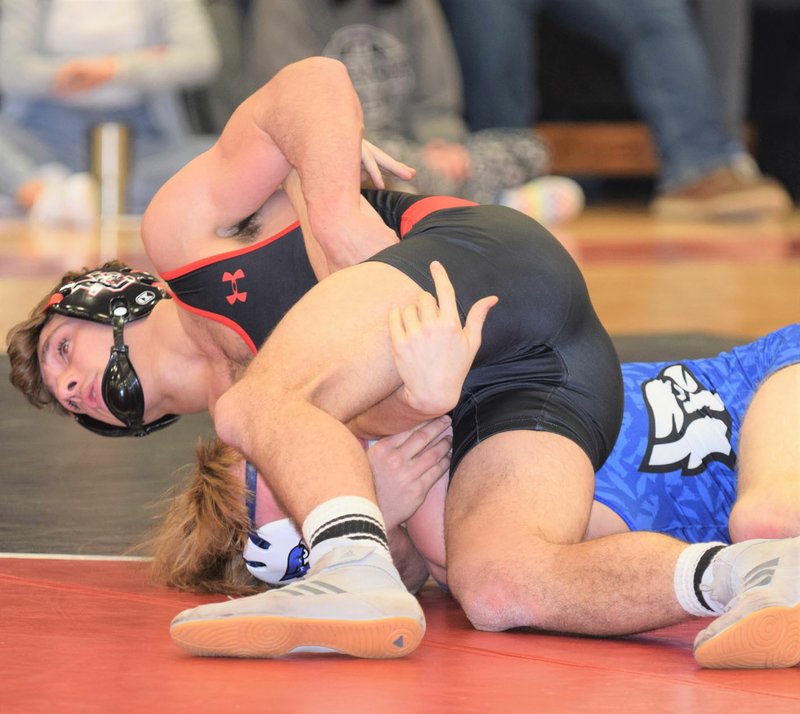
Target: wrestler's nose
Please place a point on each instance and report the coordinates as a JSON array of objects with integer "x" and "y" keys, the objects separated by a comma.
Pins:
[{"x": 67, "y": 388}]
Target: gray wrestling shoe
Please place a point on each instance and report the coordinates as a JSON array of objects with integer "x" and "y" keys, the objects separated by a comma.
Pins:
[
  {"x": 351, "y": 602},
  {"x": 760, "y": 628}
]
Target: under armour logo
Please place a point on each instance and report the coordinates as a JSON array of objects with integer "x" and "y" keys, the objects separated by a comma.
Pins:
[{"x": 233, "y": 279}]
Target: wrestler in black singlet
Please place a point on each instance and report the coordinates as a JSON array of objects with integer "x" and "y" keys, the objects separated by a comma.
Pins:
[
  {"x": 545, "y": 363},
  {"x": 249, "y": 289}
]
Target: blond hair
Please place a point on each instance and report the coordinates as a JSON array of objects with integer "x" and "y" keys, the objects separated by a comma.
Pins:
[
  {"x": 22, "y": 343},
  {"x": 198, "y": 546}
]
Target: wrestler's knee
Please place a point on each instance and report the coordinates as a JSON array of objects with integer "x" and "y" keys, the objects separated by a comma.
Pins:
[
  {"x": 242, "y": 409},
  {"x": 228, "y": 419},
  {"x": 764, "y": 516},
  {"x": 495, "y": 596}
]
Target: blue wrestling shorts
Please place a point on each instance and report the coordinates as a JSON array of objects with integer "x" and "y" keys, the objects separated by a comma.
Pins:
[{"x": 673, "y": 468}]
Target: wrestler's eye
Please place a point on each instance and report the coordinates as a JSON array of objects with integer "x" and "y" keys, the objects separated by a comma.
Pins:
[{"x": 63, "y": 347}]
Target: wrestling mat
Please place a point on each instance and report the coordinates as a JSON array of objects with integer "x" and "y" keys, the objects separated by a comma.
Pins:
[{"x": 84, "y": 630}]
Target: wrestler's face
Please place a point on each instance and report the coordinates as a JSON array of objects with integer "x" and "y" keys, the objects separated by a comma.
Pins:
[{"x": 73, "y": 355}]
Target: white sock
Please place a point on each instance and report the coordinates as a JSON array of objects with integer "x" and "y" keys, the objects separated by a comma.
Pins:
[
  {"x": 344, "y": 520},
  {"x": 693, "y": 578}
]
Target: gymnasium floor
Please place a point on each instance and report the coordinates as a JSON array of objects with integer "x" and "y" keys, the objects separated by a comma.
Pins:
[{"x": 84, "y": 630}]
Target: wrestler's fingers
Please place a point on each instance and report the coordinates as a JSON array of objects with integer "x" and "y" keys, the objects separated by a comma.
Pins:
[
  {"x": 428, "y": 309},
  {"x": 370, "y": 165},
  {"x": 428, "y": 431},
  {"x": 389, "y": 163},
  {"x": 411, "y": 321},
  {"x": 476, "y": 318},
  {"x": 441, "y": 468},
  {"x": 445, "y": 293},
  {"x": 396, "y": 329},
  {"x": 431, "y": 433}
]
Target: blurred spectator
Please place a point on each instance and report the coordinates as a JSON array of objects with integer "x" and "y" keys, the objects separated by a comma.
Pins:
[
  {"x": 706, "y": 173},
  {"x": 66, "y": 65},
  {"x": 726, "y": 31},
  {"x": 230, "y": 20},
  {"x": 402, "y": 62}
]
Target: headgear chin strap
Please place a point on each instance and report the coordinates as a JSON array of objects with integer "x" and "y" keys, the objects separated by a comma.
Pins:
[{"x": 115, "y": 298}]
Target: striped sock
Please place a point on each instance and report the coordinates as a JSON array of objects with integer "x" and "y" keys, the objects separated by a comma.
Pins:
[
  {"x": 341, "y": 520},
  {"x": 692, "y": 579}
]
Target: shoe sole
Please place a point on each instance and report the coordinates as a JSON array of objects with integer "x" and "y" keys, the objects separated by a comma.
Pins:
[
  {"x": 270, "y": 637},
  {"x": 766, "y": 639}
]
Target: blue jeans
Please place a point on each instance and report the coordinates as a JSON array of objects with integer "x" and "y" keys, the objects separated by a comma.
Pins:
[
  {"x": 50, "y": 132},
  {"x": 658, "y": 46}
]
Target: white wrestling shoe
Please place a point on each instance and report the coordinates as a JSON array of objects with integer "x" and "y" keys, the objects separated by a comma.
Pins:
[
  {"x": 351, "y": 602},
  {"x": 760, "y": 628}
]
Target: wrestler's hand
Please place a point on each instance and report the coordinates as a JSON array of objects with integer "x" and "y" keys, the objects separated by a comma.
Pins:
[
  {"x": 82, "y": 74},
  {"x": 405, "y": 467},
  {"x": 432, "y": 352},
  {"x": 448, "y": 159},
  {"x": 375, "y": 162}
]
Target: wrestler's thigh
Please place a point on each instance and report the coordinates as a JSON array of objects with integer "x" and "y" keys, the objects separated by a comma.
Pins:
[
  {"x": 513, "y": 495},
  {"x": 768, "y": 491},
  {"x": 333, "y": 346}
]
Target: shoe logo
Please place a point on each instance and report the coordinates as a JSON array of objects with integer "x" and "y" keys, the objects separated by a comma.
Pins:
[
  {"x": 761, "y": 575},
  {"x": 313, "y": 587},
  {"x": 233, "y": 279},
  {"x": 689, "y": 424},
  {"x": 399, "y": 642}
]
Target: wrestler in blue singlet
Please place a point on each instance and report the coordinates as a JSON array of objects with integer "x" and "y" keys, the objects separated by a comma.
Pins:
[{"x": 673, "y": 468}]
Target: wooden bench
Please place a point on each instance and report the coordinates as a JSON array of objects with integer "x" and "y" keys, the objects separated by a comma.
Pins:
[{"x": 594, "y": 148}]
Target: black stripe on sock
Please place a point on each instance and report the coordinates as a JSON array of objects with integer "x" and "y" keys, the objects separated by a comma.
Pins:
[
  {"x": 350, "y": 528},
  {"x": 341, "y": 519},
  {"x": 699, "y": 571}
]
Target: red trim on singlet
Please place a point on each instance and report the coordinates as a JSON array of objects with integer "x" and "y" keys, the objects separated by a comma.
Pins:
[
  {"x": 179, "y": 272},
  {"x": 426, "y": 206},
  {"x": 221, "y": 319}
]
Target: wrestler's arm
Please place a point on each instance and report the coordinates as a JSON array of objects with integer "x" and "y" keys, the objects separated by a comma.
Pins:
[
  {"x": 433, "y": 354},
  {"x": 308, "y": 117}
]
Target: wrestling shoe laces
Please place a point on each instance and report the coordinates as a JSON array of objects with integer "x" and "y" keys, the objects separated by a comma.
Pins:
[
  {"x": 351, "y": 601},
  {"x": 759, "y": 583}
]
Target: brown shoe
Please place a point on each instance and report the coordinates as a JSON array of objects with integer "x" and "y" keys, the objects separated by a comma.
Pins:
[{"x": 725, "y": 194}]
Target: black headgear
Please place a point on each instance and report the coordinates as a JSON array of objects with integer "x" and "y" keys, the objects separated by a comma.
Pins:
[{"x": 114, "y": 297}]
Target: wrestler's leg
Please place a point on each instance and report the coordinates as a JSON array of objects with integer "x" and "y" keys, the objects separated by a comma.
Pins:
[
  {"x": 768, "y": 498},
  {"x": 328, "y": 360},
  {"x": 517, "y": 508}
]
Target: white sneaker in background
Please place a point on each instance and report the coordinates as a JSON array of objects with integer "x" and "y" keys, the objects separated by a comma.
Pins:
[
  {"x": 66, "y": 200},
  {"x": 551, "y": 200},
  {"x": 48, "y": 208},
  {"x": 81, "y": 208}
]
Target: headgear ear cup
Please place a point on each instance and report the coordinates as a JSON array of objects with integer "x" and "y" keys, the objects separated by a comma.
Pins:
[{"x": 276, "y": 553}]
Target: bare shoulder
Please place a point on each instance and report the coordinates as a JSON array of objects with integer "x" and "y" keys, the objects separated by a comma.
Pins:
[{"x": 180, "y": 220}]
